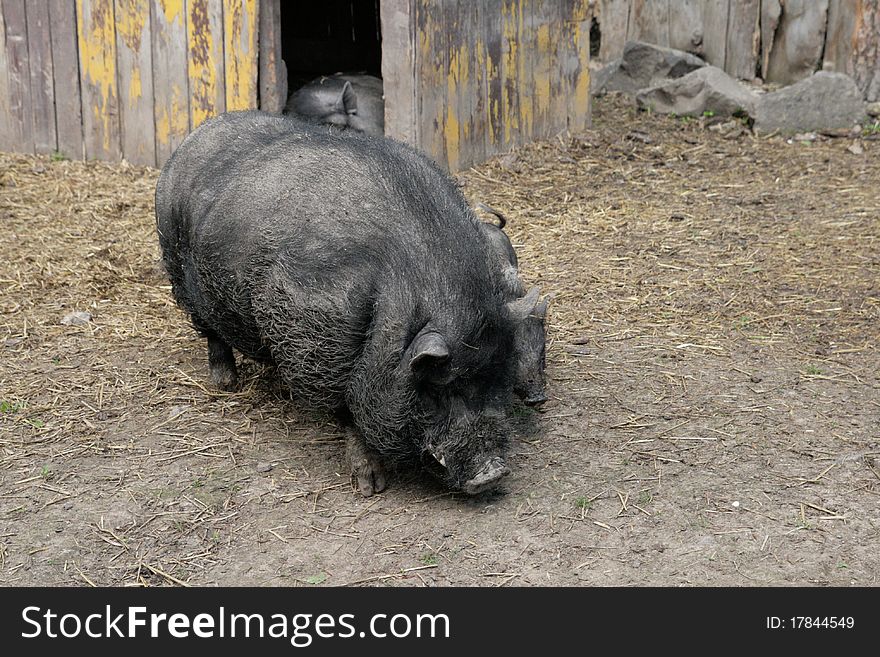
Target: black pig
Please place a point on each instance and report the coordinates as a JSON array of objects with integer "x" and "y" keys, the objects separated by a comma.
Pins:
[
  {"x": 531, "y": 336},
  {"x": 355, "y": 265},
  {"x": 343, "y": 100}
]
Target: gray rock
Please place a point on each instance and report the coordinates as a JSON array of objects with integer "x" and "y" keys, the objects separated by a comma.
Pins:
[
  {"x": 706, "y": 89},
  {"x": 77, "y": 318},
  {"x": 873, "y": 109},
  {"x": 600, "y": 78},
  {"x": 824, "y": 101},
  {"x": 643, "y": 65}
]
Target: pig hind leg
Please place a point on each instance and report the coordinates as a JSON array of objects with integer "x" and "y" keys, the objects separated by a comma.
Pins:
[
  {"x": 366, "y": 469},
  {"x": 221, "y": 360}
]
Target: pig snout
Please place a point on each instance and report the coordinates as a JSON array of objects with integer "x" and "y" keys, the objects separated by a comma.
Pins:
[{"x": 487, "y": 477}]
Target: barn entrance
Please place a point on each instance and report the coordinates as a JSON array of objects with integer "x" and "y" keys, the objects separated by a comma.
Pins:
[{"x": 328, "y": 37}]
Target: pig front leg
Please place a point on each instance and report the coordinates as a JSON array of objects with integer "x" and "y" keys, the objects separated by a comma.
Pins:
[
  {"x": 366, "y": 469},
  {"x": 221, "y": 362}
]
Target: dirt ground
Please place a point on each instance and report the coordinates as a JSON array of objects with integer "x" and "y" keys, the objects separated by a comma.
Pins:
[{"x": 714, "y": 413}]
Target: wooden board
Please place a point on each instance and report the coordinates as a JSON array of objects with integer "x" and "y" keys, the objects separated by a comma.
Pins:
[
  {"x": 18, "y": 86},
  {"x": 204, "y": 38},
  {"x": 399, "y": 72},
  {"x": 686, "y": 30},
  {"x": 649, "y": 21},
  {"x": 743, "y": 39},
  {"x": 613, "y": 17},
  {"x": 171, "y": 82},
  {"x": 100, "y": 94},
  {"x": 715, "y": 19},
  {"x": 796, "y": 49},
  {"x": 65, "y": 62},
  {"x": 6, "y": 140},
  {"x": 866, "y": 49},
  {"x": 134, "y": 51},
  {"x": 42, "y": 76},
  {"x": 842, "y": 17},
  {"x": 273, "y": 72},
  {"x": 241, "y": 49}
]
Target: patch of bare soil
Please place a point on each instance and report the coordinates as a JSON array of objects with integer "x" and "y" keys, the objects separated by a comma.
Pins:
[{"x": 713, "y": 373}]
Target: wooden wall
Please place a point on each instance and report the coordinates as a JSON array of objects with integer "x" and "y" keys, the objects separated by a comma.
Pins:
[
  {"x": 471, "y": 79},
  {"x": 113, "y": 79},
  {"x": 780, "y": 40}
]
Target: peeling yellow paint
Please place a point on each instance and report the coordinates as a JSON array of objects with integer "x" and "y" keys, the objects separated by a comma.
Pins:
[
  {"x": 131, "y": 17},
  {"x": 97, "y": 55},
  {"x": 173, "y": 9},
  {"x": 135, "y": 89},
  {"x": 581, "y": 90},
  {"x": 203, "y": 60},
  {"x": 240, "y": 47}
]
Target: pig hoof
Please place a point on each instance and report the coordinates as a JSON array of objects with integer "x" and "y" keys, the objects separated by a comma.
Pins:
[
  {"x": 493, "y": 471},
  {"x": 535, "y": 400},
  {"x": 224, "y": 378},
  {"x": 369, "y": 476},
  {"x": 366, "y": 469}
]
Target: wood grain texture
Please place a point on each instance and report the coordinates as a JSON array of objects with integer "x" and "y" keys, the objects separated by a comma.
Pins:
[
  {"x": 6, "y": 137},
  {"x": 240, "y": 53},
  {"x": 686, "y": 31},
  {"x": 65, "y": 61},
  {"x": 866, "y": 49},
  {"x": 18, "y": 83},
  {"x": 649, "y": 21},
  {"x": 273, "y": 72},
  {"x": 613, "y": 17},
  {"x": 743, "y": 39},
  {"x": 205, "y": 64},
  {"x": 399, "y": 72},
  {"x": 170, "y": 75},
  {"x": 100, "y": 93},
  {"x": 134, "y": 51},
  {"x": 715, "y": 19},
  {"x": 796, "y": 50},
  {"x": 842, "y": 17},
  {"x": 39, "y": 40}
]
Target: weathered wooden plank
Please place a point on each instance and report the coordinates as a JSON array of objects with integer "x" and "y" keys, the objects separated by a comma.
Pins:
[
  {"x": 866, "y": 49},
  {"x": 842, "y": 18},
  {"x": 432, "y": 93},
  {"x": 20, "y": 112},
  {"x": 399, "y": 72},
  {"x": 100, "y": 93},
  {"x": 649, "y": 21},
  {"x": 493, "y": 66},
  {"x": 240, "y": 51},
  {"x": 613, "y": 17},
  {"x": 771, "y": 11},
  {"x": 273, "y": 72},
  {"x": 743, "y": 38},
  {"x": 41, "y": 76},
  {"x": 134, "y": 53},
  {"x": 512, "y": 96},
  {"x": 715, "y": 15},
  {"x": 170, "y": 76},
  {"x": 800, "y": 38},
  {"x": 543, "y": 64},
  {"x": 686, "y": 31},
  {"x": 65, "y": 61},
  {"x": 578, "y": 85},
  {"x": 205, "y": 65},
  {"x": 6, "y": 124}
]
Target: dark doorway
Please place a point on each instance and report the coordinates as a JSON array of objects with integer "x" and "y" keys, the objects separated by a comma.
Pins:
[{"x": 330, "y": 36}]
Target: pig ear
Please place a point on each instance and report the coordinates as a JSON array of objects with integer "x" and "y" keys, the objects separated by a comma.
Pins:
[
  {"x": 348, "y": 99},
  {"x": 541, "y": 309},
  {"x": 519, "y": 309},
  {"x": 428, "y": 349}
]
